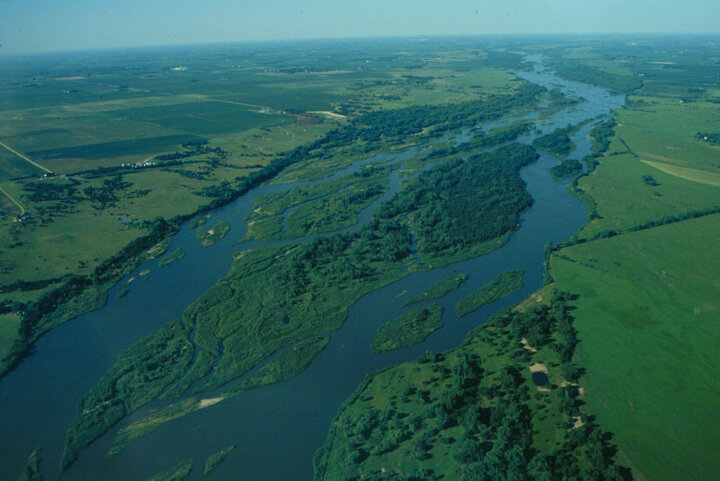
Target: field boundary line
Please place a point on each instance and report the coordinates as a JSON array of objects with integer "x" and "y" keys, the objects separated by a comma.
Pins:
[
  {"x": 650, "y": 225},
  {"x": 25, "y": 158},
  {"x": 22, "y": 209}
]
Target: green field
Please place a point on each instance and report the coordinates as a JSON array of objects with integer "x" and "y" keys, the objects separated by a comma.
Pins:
[
  {"x": 647, "y": 305},
  {"x": 647, "y": 315}
]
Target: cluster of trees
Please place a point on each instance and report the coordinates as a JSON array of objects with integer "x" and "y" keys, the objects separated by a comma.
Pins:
[
  {"x": 566, "y": 168},
  {"x": 713, "y": 138},
  {"x": 581, "y": 72},
  {"x": 460, "y": 204},
  {"x": 413, "y": 120},
  {"x": 602, "y": 134},
  {"x": 482, "y": 413},
  {"x": 556, "y": 142}
]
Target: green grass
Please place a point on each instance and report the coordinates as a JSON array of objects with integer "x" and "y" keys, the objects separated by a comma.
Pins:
[
  {"x": 9, "y": 325},
  {"x": 647, "y": 320},
  {"x": 287, "y": 364},
  {"x": 439, "y": 289},
  {"x": 175, "y": 255},
  {"x": 409, "y": 329},
  {"x": 214, "y": 460},
  {"x": 498, "y": 288},
  {"x": 623, "y": 200},
  {"x": 12, "y": 166},
  {"x": 177, "y": 473}
]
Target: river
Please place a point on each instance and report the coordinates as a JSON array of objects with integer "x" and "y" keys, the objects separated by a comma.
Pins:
[{"x": 276, "y": 428}]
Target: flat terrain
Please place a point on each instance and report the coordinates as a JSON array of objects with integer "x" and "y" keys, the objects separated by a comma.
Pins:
[
  {"x": 647, "y": 306},
  {"x": 647, "y": 315}
]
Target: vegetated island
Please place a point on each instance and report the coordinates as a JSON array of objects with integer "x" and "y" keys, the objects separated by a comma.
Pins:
[
  {"x": 177, "y": 473},
  {"x": 475, "y": 412},
  {"x": 557, "y": 142},
  {"x": 175, "y": 255},
  {"x": 411, "y": 328},
  {"x": 214, "y": 460},
  {"x": 287, "y": 364},
  {"x": 566, "y": 168},
  {"x": 439, "y": 289},
  {"x": 211, "y": 236},
  {"x": 31, "y": 472},
  {"x": 498, "y": 288},
  {"x": 455, "y": 209}
]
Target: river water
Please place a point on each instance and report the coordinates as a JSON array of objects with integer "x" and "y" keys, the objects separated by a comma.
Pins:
[{"x": 276, "y": 428}]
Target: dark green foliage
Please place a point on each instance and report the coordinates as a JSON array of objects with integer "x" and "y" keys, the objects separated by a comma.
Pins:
[
  {"x": 581, "y": 72},
  {"x": 141, "y": 374},
  {"x": 649, "y": 180},
  {"x": 602, "y": 133},
  {"x": 486, "y": 406},
  {"x": 498, "y": 288},
  {"x": 460, "y": 204},
  {"x": 566, "y": 168},
  {"x": 556, "y": 142},
  {"x": 117, "y": 265},
  {"x": 413, "y": 120},
  {"x": 712, "y": 138},
  {"x": 409, "y": 329}
]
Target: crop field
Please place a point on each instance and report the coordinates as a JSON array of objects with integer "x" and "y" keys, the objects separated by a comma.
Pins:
[{"x": 647, "y": 316}]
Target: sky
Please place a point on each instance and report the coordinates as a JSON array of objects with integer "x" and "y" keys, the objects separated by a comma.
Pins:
[{"x": 52, "y": 25}]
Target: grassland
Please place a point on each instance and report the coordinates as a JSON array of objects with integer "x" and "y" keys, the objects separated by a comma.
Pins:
[
  {"x": 474, "y": 412},
  {"x": 647, "y": 312},
  {"x": 498, "y": 288},
  {"x": 408, "y": 329},
  {"x": 647, "y": 304},
  {"x": 438, "y": 290}
]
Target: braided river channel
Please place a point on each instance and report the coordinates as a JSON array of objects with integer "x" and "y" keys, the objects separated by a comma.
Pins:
[{"x": 276, "y": 428}]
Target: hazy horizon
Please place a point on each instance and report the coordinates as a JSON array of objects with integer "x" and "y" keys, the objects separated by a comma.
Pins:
[{"x": 39, "y": 26}]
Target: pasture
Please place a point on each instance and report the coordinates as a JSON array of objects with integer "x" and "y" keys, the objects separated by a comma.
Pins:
[{"x": 647, "y": 319}]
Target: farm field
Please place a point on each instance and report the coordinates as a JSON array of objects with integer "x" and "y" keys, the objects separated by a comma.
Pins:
[
  {"x": 647, "y": 319},
  {"x": 647, "y": 304}
]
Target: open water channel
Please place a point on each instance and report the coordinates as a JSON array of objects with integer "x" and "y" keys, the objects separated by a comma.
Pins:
[{"x": 276, "y": 428}]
